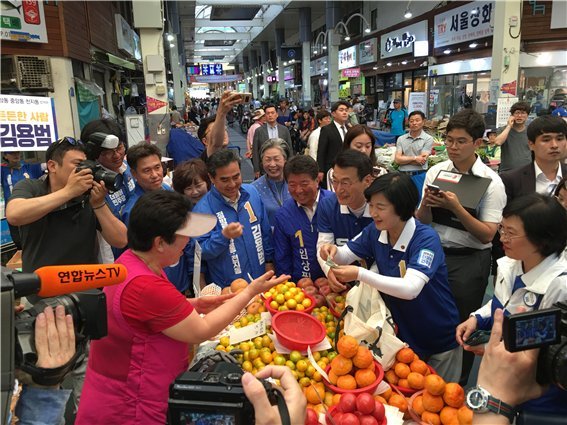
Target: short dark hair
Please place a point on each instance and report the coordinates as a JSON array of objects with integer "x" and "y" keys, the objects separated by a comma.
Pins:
[
  {"x": 399, "y": 190},
  {"x": 546, "y": 124},
  {"x": 140, "y": 151},
  {"x": 544, "y": 221},
  {"x": 322, "y": 113},
  {"x": 561, "y": 185},
  {"x": 336, "y": 105},
  {"x": 301, "y": 164},
  {"x": 106, "y": 126},
  {"x": 203, "y": 125},
  {"x": 221, "y": 159},
  {"x": 421, "y": 114},
  {"x": 270, "y": 105},
  {"x": 156, "y": 213},
  {"x": 356, "y": 159},
  {"x": 520, "y": 106},
  {"x": 57, "y": 150},
  {"x": 358, "y": 130},
  {"x": 468, "y": 120},
  {"x": 187, "y": 172}
]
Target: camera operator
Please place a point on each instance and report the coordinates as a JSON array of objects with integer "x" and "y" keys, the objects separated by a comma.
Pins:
[
  {"x": 508, "y": 377},
  {"x": 59, "y": 215},
  {"x": 55, "y": 346},
  {"x": 266, "y": 414}
]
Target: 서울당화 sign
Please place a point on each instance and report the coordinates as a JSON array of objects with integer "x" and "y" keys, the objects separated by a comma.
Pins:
[
  {"x": 465, "y": 23},
  {"x": 211, "y": 69},
  {"x": 27, "y": 123},
  {"x": 23, "y": 21},
  {"x": 401, "y": 41},
  {"x": 347, "y": 57}
]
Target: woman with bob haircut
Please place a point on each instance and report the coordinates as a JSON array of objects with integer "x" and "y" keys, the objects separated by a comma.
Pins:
[
  {"x": 532, "y": 275},
  {"x": 412, "y": 275},
  {"x": 191, "y": 179},
  {"x": 150, "y": 323}
]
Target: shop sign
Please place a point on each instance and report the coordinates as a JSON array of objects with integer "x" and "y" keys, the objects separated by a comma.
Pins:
[
  {"x": 347, "y": 57},
  {"x": 154, "y": 104},
  {"x": 23, "y": 21},
  {"x": 271, "y": 79},
  {"x": 211, "y": 69},
  {"x": 27, "y": 123},
  {"x": 368, "y": 51},
  {"x": 318, "y": 66},
  {"x": 350, "y": 73},
  {"x": 416, "y": 102},
  {"x": 460, "y": 67},
  {"x": 288, "y": 73},
  {"x": 401, "y": 41},
  {"x": 215, "y": 78},
  {"x": 465, "y": 23},
  {"x": 127, "y": 39}
]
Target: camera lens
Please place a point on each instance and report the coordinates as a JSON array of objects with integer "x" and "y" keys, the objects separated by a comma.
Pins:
[{"x": 111, "y": 180}]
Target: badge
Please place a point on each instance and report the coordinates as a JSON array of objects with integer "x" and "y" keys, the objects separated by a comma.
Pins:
[{"x": 530, "y": 299}]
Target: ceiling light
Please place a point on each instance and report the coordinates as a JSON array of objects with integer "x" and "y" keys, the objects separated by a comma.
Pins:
[
  {"x": 315, "y": 52},
  {"x": 324, "y": 47},
  {"x": 404, "y": 62},
  {"x": 171, "y": 45},
  {"x": 347, "y": 38},
  {"x": 473, "y": 45},
  {"x": 408, "y": 14},
  {"x": 374, "y": 68},
  {"x": 447, "y": 51},
  {"x": 367, "y": 30},
  {"x": 170, "y": 37},
  {"x": 389, "y": 64}
]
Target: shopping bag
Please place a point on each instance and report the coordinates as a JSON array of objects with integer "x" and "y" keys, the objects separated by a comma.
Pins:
[{"x": 368, "y": 320}]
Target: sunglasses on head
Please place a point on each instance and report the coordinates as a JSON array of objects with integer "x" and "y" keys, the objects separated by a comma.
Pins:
[{"x": 55, "y": 145}]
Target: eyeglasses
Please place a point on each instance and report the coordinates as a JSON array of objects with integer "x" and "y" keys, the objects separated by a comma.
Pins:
[
  {"x": 459, "y": 142},
  {"x": 505, "y": 235},
  {"x": 344, "y": 183},
  {"x": 520, "y": 113},
  {"x": 120, "y": 149}
]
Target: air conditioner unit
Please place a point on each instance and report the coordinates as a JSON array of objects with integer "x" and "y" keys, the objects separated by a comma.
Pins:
[{"x": 33, "y": 73}]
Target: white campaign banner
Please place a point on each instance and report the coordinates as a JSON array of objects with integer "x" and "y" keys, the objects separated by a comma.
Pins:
[
  {"x": 27, "y": 123},
  {"x": 465, "y": 23}
]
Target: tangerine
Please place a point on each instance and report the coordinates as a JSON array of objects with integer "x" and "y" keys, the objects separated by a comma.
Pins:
[
  {"x": 448, "y": 416},
  {"x": 347, "y": 382},
  {"x": 454, "y": 395},
  {"x": 336, "y": 399},
  {"x": 434, "y": 384},
  {"x": 465, "y": 416},
  {"x": 403, "y": 383},
  {"x": 386, "y": 394},
  {"x": 363, "y": 358},
  {"x": 332, "y": 377},
  {"x": 347, "y": 346},
  {"x": 380, "y": 399},
  {"x": 419, "y": 366},
  {"x": 314, "y": 394},
  {"x": 391, "y": 377},
  {"x": 418, "y": 405},
  {"x": 432, "y": 403},
  {"x": 341, "y": 365},
  {"x": 398, "y": 401},
  {"x": 416, "y": 380},
  {"x": 238, "y": 285},
  {"x": 402, "y": 370},
  {"x": 405, "y": 355},
  {"x": 430, "y": 418},
  {"x": 364, "y": 377}
]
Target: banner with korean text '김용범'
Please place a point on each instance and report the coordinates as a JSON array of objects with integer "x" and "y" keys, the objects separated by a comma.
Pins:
[{"x": 27, "y": 123}]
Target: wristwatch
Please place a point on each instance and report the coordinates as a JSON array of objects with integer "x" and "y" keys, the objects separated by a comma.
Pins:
[{"x": 480, "y": 400}]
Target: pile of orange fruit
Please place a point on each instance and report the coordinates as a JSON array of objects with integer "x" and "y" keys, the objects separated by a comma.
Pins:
[
  {"x": 353, "y": 367},
  {"x": 442, "y": 403},
  {"x": 408, "y": 370}
]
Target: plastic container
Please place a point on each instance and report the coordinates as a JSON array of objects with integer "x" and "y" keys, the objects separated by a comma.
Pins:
[
  {"x": 378, "y": 371},
  {"x": 408, "y": 392},
  {"x": 308, "y": 310},
  {"x": 296, "y": 330}
]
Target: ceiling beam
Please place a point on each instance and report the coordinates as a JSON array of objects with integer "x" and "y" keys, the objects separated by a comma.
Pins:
[
  {"x": 199, "y": 23},
  {"x": 243, "y": 3},
  {"x": 222, "y": 36}
]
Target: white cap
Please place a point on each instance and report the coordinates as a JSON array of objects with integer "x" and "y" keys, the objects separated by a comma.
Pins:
[{"x": 197, "y": 224}]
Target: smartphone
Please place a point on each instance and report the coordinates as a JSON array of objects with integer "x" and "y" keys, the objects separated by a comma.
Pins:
[
  {"x": 534, "y": 329},
  {"x": 434, "y": 188},
  {"x": 478, "y": 337}
]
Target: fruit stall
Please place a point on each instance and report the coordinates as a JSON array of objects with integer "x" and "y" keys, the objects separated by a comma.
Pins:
[{"x": 297, "y": 326}]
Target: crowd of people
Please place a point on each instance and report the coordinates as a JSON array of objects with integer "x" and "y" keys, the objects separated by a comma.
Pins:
[{"x": 324, "y": 197}]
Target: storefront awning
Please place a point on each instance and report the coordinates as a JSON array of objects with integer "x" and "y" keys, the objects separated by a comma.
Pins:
[{"x": 121, "y": 62}]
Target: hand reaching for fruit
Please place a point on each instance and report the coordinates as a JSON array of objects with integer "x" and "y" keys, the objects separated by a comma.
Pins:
[
  {"x": 265, "y": 282},
  {"x": 293, "y": 395},
  {"x": 206, "y": 304}
]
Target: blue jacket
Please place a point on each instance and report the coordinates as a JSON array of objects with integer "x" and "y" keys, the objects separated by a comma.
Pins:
[
  {"x": 228, "y": 259},
  {"x": 118, "y": 199},
  {"x": 182, "y": 146},
  {"x": 11, "y": 176},
  {"x": 272, "y": 197},
  {"x": 295, "y": 241}
]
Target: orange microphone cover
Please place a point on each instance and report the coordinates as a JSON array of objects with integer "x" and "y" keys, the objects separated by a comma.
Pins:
[{"x": 61, "y": 280}]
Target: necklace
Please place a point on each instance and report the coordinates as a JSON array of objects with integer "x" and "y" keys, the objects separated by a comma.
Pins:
[{"x": 147, "y": 263}]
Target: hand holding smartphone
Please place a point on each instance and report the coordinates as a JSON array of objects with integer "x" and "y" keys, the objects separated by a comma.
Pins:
[
  {"x": 434, "y": 188},
  {"x": 478, "y": 337}
]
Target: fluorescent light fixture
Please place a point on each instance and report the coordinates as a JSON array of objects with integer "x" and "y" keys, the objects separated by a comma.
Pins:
[
  {"x": 404, "y": 62},
  {"x": 374, "y": 68},
  {"x": 447, "y": 51},
  {"x": 473, "y": 45},
  {"x": 389, "y": 64}
]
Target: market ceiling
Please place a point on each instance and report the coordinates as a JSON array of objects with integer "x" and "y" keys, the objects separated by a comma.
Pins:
[{"x": 220, "y": 31}]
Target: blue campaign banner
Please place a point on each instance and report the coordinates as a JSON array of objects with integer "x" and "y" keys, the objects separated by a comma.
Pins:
[{"x": 5, "y": 237}]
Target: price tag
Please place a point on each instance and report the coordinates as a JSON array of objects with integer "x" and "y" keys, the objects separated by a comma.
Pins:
[
  {"x": 247, "y": 332},
  {"x": 266, "y": 316}
]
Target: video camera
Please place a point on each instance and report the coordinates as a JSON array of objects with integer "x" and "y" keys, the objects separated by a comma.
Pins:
[
  {"x": 545, "y": 329},
  {"x": 216, "y": 395},
  {"x": 95, "y": 144},
  {"x": 60, "y": 284}
]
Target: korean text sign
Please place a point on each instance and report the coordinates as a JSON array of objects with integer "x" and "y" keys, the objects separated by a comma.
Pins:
[
  {"x": 465, "y": 23},
  {"x": 27, "y": 123}
]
